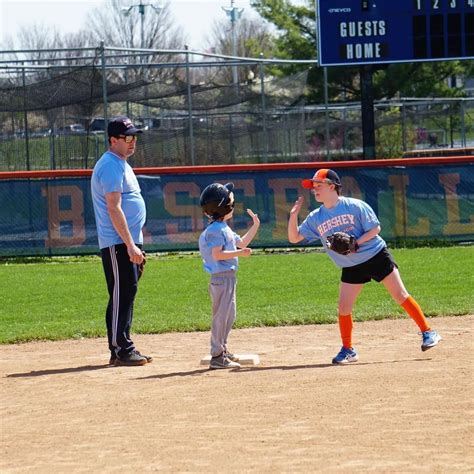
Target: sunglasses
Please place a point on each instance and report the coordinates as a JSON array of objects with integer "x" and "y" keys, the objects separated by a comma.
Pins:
[{"x": 128, "y": 138}]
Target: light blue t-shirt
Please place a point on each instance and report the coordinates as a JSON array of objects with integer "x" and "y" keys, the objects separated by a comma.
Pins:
[
  {"x": 113, "y": 174},
  {"x": 349, "y": 215},
  {"x": 218, "y": 234}
]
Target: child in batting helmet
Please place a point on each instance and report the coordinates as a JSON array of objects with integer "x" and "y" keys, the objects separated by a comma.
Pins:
[
  {"x": 220, "y": 248},
  {"x": 217, "y": 200}
]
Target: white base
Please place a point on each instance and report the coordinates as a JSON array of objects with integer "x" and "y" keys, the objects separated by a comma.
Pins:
[{"x": 244, "y": 359}]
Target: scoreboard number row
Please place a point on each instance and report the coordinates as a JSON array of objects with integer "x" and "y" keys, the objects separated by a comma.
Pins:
[{"x": 420, "y": 5}]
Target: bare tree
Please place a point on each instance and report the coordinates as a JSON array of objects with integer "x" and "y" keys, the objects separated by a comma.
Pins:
[
  {"x": 118, "y": 24},
  {"x": 34, "y": 45},
  {"x": 253, "y": 37},
  {"x": 35, "y": 39},
  {"x": 78, "y": 92}
]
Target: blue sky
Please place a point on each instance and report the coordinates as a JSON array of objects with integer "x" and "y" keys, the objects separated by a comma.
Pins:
[{"x": 195, "y": 16}]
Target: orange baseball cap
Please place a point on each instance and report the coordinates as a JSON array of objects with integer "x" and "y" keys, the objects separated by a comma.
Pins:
[{"x": 322, "y": 176}]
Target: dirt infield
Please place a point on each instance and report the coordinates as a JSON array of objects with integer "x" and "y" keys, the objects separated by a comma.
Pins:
[{"x": 397, "y": 410}]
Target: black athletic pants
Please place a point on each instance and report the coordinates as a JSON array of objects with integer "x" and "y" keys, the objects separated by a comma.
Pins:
[{"x": 122, "y": 283}]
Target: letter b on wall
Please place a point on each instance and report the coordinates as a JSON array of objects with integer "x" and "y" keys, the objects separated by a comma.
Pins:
[{"x": 65, "y": 211}]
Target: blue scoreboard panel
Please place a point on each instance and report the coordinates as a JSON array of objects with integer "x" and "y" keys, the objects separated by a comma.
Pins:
[{"x": 388, "y": 31}]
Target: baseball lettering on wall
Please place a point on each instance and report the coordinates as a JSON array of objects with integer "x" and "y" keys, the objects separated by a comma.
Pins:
[
  {"x": 246, "y": 187},
  {"x": 54, "y": 216},
  {"x": 454, "y": 226},
  {"x": 279, "y": 187},
  {"x": 65, "y": 216},
  {"x": 351, "y": 188},
  {"x": 399, "y": 184},
  {"x": 189, "y": 216}
]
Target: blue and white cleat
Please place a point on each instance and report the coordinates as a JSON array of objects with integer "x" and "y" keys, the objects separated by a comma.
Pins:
[
  {"x": 346, "y": 356},
  {"x": 430, "y": 339}
]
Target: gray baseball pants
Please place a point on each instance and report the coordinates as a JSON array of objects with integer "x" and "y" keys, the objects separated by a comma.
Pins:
[{"x": 222, "y": 292}]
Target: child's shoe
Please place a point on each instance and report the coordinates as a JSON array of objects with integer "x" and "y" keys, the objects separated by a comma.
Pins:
[
  {"x": 222, "y": 362},
  {"x": 346, "y": 356},
  {"x": 430, "y": 339}
]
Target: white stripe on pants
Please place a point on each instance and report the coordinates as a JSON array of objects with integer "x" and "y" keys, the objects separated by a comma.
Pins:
[{"x": 223, "y": 296}]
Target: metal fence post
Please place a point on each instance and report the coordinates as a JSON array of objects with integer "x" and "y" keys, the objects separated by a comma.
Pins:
[
  {"x": 404, "y": 128},
  {"x": 25, "y": 117},
  {"x": 104, "y": 92},
  {"x": 127, "y": 105},
  {"x": 367, "y": 111},
  {"x": 344, "y": 119},
  {"x": 264, "y": 111},
  {"x": 231, "y": 139},
  {"x": 51, "y": 150},
  {"x": 190, "y": 107},
  {"x": 326, "y": 112},
  {"x": 96, "y": 148},
  {"x": 302, "y": 132},
  {"x": 463, "y": 125},
  {"x": 451, "y": 131}
]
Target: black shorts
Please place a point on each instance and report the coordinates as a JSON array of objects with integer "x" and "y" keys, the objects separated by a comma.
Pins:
[{"x": 376, "y": 268}]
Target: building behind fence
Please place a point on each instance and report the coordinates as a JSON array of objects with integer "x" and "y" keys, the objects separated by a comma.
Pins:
[{"x": 53, "y": 113}]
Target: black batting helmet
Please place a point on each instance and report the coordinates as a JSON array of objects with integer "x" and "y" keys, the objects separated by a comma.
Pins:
[{"x": 216, "y": 201}]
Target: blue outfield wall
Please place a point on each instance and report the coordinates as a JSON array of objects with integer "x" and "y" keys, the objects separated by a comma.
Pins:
[{"x": 54, "y": 216}]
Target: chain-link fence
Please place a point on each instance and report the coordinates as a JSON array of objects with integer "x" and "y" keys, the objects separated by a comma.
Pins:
[{"x": 53, "y": 112}]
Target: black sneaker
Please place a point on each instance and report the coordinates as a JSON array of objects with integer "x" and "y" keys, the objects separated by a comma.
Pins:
[
  {"x": 113, "y": 357},
  {"x": 134, "y": 358},
  {"x": 148, "y": 358}
]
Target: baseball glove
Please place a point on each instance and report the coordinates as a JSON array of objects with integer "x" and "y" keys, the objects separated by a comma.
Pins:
[
  {"x": 141, "y": 266},
  {"x": 342, "y": 243}
]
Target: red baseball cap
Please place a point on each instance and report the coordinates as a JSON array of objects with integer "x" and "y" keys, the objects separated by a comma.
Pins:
[{"x": 322, "y": 176}]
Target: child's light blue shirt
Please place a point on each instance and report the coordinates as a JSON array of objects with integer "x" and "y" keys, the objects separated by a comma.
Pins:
[{"x": 218, "y": 234}]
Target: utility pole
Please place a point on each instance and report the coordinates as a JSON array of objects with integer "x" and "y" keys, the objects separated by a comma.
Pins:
[
  {"x": 234, "y": 15},
  {"x": 368, "y": 119},
  {"x": 141, "y": 10}
]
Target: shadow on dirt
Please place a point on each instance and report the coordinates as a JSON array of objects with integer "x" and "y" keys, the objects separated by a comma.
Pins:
[
  {"x": 244, "y": 370},
  {"x": 67, "y": 370}
]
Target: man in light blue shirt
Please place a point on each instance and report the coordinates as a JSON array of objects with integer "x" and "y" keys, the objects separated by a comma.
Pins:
[{"x": 120, "y": 215}]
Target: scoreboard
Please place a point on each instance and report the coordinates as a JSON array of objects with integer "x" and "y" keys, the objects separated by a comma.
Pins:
[{"x": 352, "y": 32}]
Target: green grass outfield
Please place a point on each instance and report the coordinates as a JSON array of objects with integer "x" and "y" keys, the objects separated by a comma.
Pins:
[{"x": 66, "y": 298}]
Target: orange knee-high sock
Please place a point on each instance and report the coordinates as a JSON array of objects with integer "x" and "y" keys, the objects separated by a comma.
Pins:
[
  {"x": 415, "y": 312},
  {"x": 345, "y": 327}
]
